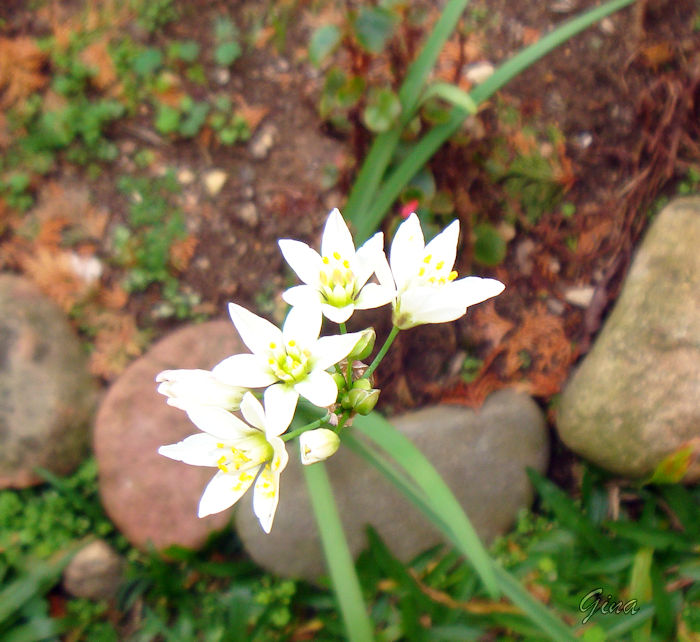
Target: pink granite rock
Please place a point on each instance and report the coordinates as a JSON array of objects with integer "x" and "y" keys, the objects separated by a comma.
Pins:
[{"x": 149, "y": 497}]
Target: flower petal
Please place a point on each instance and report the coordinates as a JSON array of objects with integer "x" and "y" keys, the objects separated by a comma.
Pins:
[
  {"x": 444, "y": 245},
  {"x": 406, "y": 250},
  {"x": 337, "y": 237},
  {"x": 474, "y": 289},
  {"x": 366, "y": 259},
  {"x": 246, "y": 370},
  {"x": 302, "y": 325},
  {"x": 253, "y": 411},
  {"x": 280, "y": 404},
  {"x": 257, "y": 333},
  {"x": 374, "y": 295},
  {"x": 223, "y": 491},
  {"x": 302, "y": 295},
  {"x": 196, "y": 450},
  {"x": 329, "y": 350},
  {"x": 266, "y": 497},
  {"x": 319, "y": 388},
  {"x": 302, "y": 259},
  {"x": 219, "y": 422},
  {"x": 338, "y": 315}
]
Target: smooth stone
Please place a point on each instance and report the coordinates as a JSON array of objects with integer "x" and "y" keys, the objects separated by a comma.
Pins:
[
  {"x": 47, "y": 396},
  {"x": 481, "y": 455},
  {"x": 634, "y": 398},
  {"x": 95, "y": 572},
  {"x": 149, "y": 497}
]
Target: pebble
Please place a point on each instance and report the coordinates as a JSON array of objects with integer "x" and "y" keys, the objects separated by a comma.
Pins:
[
  {"x": 262, "y": 142},
  {"x": 94, "y": 573},
  {"x": 214, "y": 181}
]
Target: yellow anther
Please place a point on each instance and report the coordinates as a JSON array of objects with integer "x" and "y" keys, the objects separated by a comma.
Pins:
[
  {"x": 336, "y": 256},
  {"x": 219, "y": 445},
  {"x": 273, "y": 345},
  {"x": 221, "y": 460},
  {"x": 271, "y": 361},
  {"x": 325, "y": 260},
  {"x": 431, "y": 279},
  {"x": 442, "y": 281},
  {"x": 428, "y": 258},
  {"x": 452, "y": 276},
  {"x": 421, "y": 272},
  {"x": 223, "y": 468},
  {"x": 346, "y": 264},
  {"x": 291, "y": 343},
  {"x": 439, "y": 265},
  {"x": 244, "y": 477}
]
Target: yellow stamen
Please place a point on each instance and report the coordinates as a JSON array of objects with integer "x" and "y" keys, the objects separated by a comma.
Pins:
[
  {"x": 219, "y": 445},
  {"x": 431, "y": 279},
  {"x": 336, "y": 256},
  {"x": 441, "y": 281},
  {"x": 346, "y": 264},
  {"x": 273, "y": 345},
  {"x": 291, "y": 343},
  {"x": 439, "y": 265},
  {"x": 452, "y": 276},
  {"x": 428, "y": 258},
  {"x": 325, "y": 260},
  {"x": 421, "y": 272}
]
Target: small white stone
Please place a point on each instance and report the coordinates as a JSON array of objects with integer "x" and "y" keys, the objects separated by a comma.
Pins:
[
  {"x": 185, "y": 176},
  {"x": 214, "y": 180},
  {"x": 607, "y": 26},
  {"x": 222, "y": 75},
  {"x": 88, "y": 268},
  {"x": 580, "y": 296},
  {"x": 261, "y": 144},
  {"x": 479, "y": 71},
  {"x": 248, "y": 213}
]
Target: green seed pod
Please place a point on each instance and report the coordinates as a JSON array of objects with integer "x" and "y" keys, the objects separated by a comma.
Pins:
[
  {"x": 363, "y": 401},
  {"x": 362, "y": 384},
  {"x": 364, "y": 346}
]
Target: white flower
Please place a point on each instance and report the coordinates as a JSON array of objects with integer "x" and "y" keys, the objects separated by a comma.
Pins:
[
  {"x": 337, "y": 278},
  {"x": 426, "y": 289},
  {"x": 187, "y": 388},
  {"x": 317, "y": 445},
  {"x": 243, "y": 454},
  {"x": 292, "y": 361}
]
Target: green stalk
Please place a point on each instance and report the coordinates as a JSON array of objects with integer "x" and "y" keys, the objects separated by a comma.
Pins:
[
  {"x": 338, "y": 558},
  {"x": 376, "y": 201},
  {"x": 380, "y": 355},
  {"x": 384, "y": 145},
  {"x": 310, "y": 426}
]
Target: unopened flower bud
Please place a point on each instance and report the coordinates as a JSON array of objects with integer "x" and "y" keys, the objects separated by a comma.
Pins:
[
  {"x": 186, "y": 388},
  {"x": 339, "y": 380},
  {"x": 317, "y": 445},
  {"x": 362, "y": 384},
  {"x": 364, "y": 346},
  {"x": 362, "y": 401}
]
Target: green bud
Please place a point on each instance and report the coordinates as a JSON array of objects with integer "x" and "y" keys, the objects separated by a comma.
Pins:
[
  {"x": 364, "y": 346},
  {"x": 339, "y": 380},
  {"x": 362, "y": 384},
  {"x": 362, "y": 401}
]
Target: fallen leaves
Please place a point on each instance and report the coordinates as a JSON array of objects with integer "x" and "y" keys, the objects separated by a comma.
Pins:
[
  {"x": 533, "y": 356},
  {"x": 21, "y": 69}
]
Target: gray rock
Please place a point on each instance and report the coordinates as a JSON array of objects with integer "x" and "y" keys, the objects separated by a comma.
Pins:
[
  {"x": 95, "y": 572},
  {"x": 149, "y": 497},
  {"x": 47, "y": 396},
  {"x": 635, "y": 397},
  {"x": 482, "y": 456},
  {"x": 262, "y": 142}
]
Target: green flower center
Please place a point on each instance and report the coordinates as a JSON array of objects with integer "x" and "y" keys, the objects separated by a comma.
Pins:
[
  {"x": 337, "y": 280},
  {"x": 251, "y": 452},
  {"x": 288, "y": 362}
]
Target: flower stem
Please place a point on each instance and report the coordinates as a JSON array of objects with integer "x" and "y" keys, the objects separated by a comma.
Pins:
[
  {"x": 382, "y": 352},
  {"x": 343, "y": 329},
  {"x": 305, "y": 427}
]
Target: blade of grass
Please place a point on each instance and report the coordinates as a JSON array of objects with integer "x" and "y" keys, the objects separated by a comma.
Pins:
[
  {"x": 338, "y": 558},
  {"x": 383, "y": 147},
  {"x": 369, "y": 208},
  {"x": 569, "y": 515},
  {"x": 534, "y": 610},
  {"x": 431, "y": 483}
]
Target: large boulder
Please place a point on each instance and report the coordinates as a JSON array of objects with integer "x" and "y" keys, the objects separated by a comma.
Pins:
[
  {"x": 153, "y": 499},
  {"x": 47, "y": 396},
  {"x": 635, "y": 397},
  {"x": 481, "y": 455}
]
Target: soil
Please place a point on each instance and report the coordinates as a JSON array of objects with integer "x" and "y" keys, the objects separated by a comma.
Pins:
[{"x": 625, "y": 94}]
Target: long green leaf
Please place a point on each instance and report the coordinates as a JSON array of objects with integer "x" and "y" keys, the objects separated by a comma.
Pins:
[
  {"x": 338, "y": 558},
  {"x": 383, "y": 147},
  {"x": 369, "y": 208},
  {"x": 448, "y": 518}
]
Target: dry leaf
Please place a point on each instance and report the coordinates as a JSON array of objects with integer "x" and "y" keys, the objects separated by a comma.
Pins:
[
  {"x": 181, "y": 252},
  {"x": 488, "y": 325},
  {"x": 96, "y": 57},
  {"x": 21, "y": 69},
  {"x": 118, "y": 341}
]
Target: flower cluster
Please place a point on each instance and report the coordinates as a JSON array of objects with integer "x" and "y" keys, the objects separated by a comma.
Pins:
[{"x": 419, "y": 283}]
